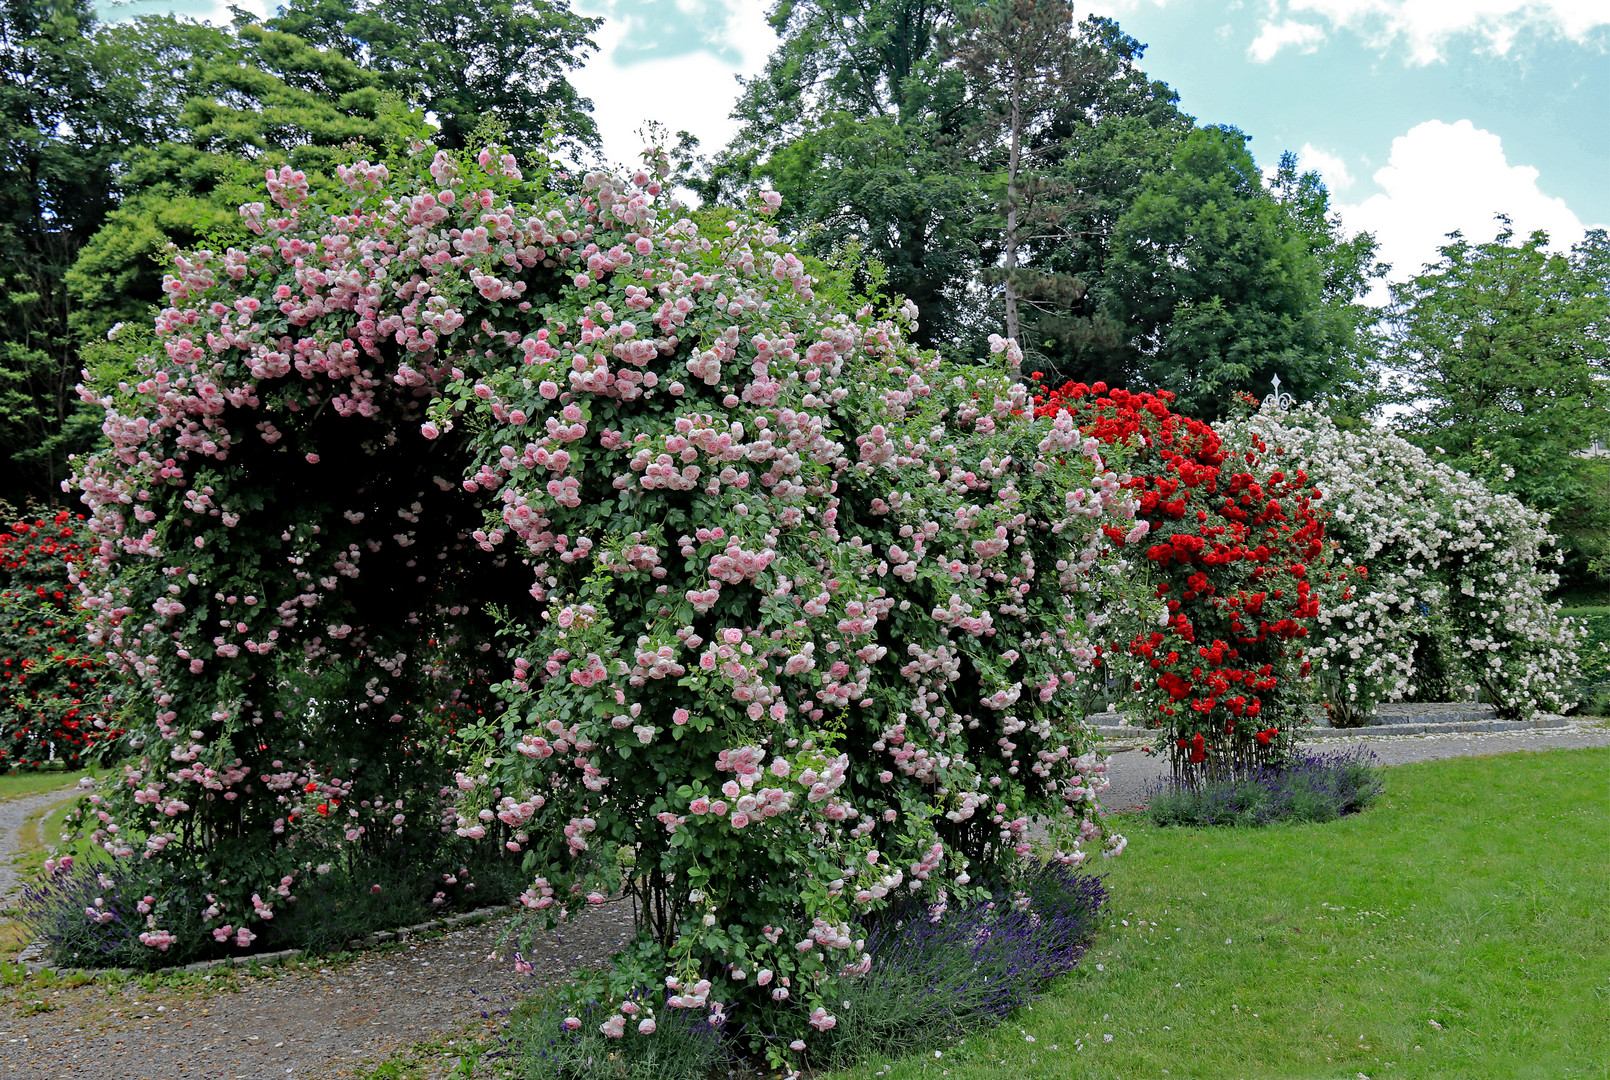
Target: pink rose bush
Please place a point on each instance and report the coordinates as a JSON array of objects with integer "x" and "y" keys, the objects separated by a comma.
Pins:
[{"x": 542, "y": 519}]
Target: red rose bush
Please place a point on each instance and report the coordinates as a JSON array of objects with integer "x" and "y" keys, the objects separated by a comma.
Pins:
[
  {"x": 1225, "y": 539},
  {"x": 52, "y": 707}
]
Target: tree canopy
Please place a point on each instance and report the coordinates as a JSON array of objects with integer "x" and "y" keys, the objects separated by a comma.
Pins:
[
  {"x": 75, "y": 97},
  {"x": 462, "y": 62},
  {"x": 1016, "y": 172},
  {"x": 1505, "y": 347}
]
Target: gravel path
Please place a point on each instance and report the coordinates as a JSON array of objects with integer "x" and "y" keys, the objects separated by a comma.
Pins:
[
  {"x": 14, "y": 814},
  {"x": 1132, "y": 772},
  {"x": 297, "y": 1022}
]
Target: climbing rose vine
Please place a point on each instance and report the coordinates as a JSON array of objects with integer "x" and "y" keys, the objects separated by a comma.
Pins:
[
  {"x": 722, "y": 594},
  {"x": 1228, "y": 531},
  {"x": 50, "y": 704},
  {"x": 1437, "y": 586}
]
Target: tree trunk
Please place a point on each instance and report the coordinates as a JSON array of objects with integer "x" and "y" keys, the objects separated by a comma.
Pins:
[{"x": 1012, "y": 166}]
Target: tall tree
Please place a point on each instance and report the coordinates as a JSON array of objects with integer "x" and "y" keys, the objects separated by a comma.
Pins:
[
  {"x": 857, "y": 123},
  {"x": 1117, "y": 127},
  {"x": 462, "y": 61},
  {"x": 256, "y": 99},
  {"x": 1212, "y": 284},
  {"x": 1351, "y": 329},
  {"x": 1506, "y": 351},
  {"x": 1066, "y": 124},
  {"x": 1025, "y": 71},
  {"x": 74, "y": 96}
]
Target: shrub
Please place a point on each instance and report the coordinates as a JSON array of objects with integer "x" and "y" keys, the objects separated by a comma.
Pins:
[
  {"x": 1218, "y": 663},
  {"x": 792, "y": 616},
  {"x": 937, "y": 976},
  {"x": 1307, "y": 787},
  {"x": 1438, "y": 587},
  {"x": 51, "y": 705},
  {"x": 1593, "y": 670}
]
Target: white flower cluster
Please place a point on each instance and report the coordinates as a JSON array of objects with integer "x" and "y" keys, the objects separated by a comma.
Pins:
[{"x": 1430, "y": 572}]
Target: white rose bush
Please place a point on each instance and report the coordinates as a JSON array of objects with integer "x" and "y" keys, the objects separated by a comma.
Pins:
[{"x": 1435, "y": 582}]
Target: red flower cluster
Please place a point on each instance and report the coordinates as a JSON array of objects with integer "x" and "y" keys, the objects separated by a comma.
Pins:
[
  {"x": 48, "y": 693},
  {"x": 1230, "y": 544}
]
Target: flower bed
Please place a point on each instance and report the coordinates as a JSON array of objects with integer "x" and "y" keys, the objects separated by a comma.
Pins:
[
  {"x": 1307, "y": 787},
  {"x": 935, "y": 977},
  {"x": 136, "y": 915}
]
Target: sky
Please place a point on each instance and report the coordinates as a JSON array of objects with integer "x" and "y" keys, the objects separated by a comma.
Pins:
[{"x": 1423, "y": 116}]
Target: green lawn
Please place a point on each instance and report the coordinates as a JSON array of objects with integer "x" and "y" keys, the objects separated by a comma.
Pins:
[
  {"x": 1458, "y": 929},
  {"x": 37, "y": 834},
  {"x": 18, "y": 785}
]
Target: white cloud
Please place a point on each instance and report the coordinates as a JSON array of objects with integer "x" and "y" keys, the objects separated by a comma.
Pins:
[
  {"x": 1273, "y": 37},
  {"x": 1329, "y": 166},
  {"x": 1426, "y": 27},
  {"x": 689, "y": 85},
  {"x": 1443, "y": 177},
  {"x": 1116, "y": 8}
]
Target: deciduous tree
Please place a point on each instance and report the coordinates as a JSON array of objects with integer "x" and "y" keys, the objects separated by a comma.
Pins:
[
  {"x": 1506, "y": 349},
  {"x": 462, "y": 62}
]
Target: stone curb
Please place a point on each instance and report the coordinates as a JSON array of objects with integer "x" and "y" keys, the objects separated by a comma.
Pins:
[
  {"x": 1467, "y": 727},
  {"x": 1125, "y": 733},
  {"x": 403, "y": 933}
]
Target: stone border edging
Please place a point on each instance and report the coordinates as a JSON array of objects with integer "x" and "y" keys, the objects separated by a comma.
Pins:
[
  {"x": 1545, "y": 722},
  {"x": 402, "y": 933}
]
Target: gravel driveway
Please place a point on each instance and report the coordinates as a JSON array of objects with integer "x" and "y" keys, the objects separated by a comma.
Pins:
[{"x": 298, "y": 1022}]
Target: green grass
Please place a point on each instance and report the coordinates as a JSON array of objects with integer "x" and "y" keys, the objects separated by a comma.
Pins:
[
  {"x": 1473, "y": 896},
  {"x": 21, "y": 785}
]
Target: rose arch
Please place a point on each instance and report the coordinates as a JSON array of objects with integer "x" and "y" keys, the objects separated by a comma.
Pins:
[{"x": 469, "y": 514}]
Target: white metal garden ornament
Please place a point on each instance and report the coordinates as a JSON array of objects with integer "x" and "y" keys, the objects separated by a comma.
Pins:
[{"x": 1278, "y": 400}]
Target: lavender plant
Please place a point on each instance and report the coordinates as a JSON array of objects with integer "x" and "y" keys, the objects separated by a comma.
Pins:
[
  {"x": 93, "y": 913},
  {"x": 101, "y": 912},
  {"x": 1308, "y": 787},
  {"x": 937, "y": 975}
]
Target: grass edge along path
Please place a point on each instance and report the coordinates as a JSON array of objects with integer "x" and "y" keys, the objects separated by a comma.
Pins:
[{"x": 1454, "y": 930}]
